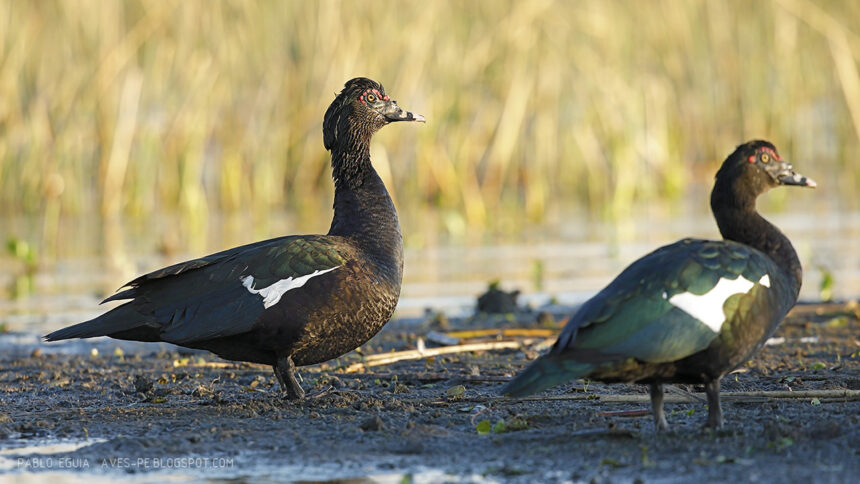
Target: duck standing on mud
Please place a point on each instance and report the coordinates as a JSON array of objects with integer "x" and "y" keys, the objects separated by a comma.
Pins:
[
  {"x": 294, "y": 300},
  {"x": 692, "y": 311}
]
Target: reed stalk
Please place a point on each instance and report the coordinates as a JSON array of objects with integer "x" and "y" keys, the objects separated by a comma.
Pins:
[{"x": 198, "y": 108}]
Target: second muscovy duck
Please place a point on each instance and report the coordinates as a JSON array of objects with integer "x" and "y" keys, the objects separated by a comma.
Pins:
[
  {"x": 692, "y": 311},
  {"x": 295, "y": 300}
]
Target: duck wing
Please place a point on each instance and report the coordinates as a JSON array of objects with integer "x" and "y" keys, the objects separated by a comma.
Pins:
[
  {"x": 669, "y": 304},
  {"x": 666, "y": 306},
  {"x": 219, "y": 295}
]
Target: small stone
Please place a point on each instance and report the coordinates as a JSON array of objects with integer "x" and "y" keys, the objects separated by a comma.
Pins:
[
  {"x": 335, "y": 382},
  {"x": 142, "y": 384},
  {"x": 497, "y": 301},
  {"x": 201, "y": 391},
  {"x": 372, "y": 424},
  {"x": 546, "y": 320}
]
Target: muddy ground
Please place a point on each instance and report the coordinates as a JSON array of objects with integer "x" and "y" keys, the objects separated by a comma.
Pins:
[{"x": 791, "y": 415}]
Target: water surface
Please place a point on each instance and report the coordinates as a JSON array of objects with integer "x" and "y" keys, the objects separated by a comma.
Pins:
[{"x": 565, "y": 260}]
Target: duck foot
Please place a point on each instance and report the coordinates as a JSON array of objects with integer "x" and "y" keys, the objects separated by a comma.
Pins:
[
  {"x": 656, "y": 390},
  {"x": 285, "y": 372},
  {"x": 715, "y": 415}
]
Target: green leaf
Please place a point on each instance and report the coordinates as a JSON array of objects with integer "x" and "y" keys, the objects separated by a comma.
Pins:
[
  {"x": 818, "y": 366},
  {"x": 456, "y": 391},
  {"x": 646, "y": 461},
  {"x": 816, "y": 401},
  {"x": 825, "y": 288},
  {"x": 483, "y": 427},
  {"x": 516, "y": 423},
  {"x": 499, "y": 427}
]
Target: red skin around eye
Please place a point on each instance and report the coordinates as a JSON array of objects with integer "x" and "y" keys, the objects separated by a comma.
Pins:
[
  {"x": 378, "y": 95},
  {"x": 772, "y": 153}
]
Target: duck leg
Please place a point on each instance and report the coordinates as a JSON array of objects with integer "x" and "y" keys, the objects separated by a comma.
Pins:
[
  {"x": 715, "y": 416},
  {"x": 285, "y": 371},
  {"x": 657, "y": 406}
]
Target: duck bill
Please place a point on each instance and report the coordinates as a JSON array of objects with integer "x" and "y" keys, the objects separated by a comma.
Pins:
[
  {"x": 796, "y": 179},
  {"x": 393, "y": 113}
]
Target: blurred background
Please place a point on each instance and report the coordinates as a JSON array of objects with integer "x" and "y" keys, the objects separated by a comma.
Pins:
[{"x": 564, "y": 139}]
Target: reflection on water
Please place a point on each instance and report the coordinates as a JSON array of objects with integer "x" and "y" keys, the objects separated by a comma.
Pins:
[{"x": 566, "y": 260}]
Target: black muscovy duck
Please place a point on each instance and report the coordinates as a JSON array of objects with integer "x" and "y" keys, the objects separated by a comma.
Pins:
[
  {"x": 692, "y": 311},
  {"x": 289, "y": 301}
]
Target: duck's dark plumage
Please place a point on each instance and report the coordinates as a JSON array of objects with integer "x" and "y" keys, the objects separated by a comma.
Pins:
[
  {"x": 691, "y": 311},
  {"x": 295, "y": 300}
]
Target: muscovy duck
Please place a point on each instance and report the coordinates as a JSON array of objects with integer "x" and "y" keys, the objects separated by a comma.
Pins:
[
  {"x": 289, "y": 301},
  {"x": 692, "y": 311}
]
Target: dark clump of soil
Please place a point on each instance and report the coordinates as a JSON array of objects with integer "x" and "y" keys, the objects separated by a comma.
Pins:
[
  {"x": 441, "y": 414},
  {"x": 497, "y": 301}
]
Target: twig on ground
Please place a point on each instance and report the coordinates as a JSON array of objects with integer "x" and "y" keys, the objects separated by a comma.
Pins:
[
  {"x": 393, "y": 357},
  {"x": 431, "y": 377},
  {"x": 483, "y": 333},
  {"x": 641, "y": 412},
  {"x": 684, "y": 393}
]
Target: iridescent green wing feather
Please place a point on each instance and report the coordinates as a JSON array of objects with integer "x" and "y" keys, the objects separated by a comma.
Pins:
[{"x": 667, "y": 305}]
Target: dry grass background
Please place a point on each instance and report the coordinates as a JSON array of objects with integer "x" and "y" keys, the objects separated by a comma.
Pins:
[{"x": 138, "y": 108}]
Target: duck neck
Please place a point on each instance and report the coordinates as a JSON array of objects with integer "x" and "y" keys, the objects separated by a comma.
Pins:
[
  {"x": 738, "y": 220},
  {"x": 363, "y": 209}
]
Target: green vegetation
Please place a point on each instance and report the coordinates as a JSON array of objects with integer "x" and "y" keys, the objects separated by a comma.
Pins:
[
  {"x": 513, "y": 424},
  {"x": 194, "y": 108},
  {"x": 23, "y": 282},
  {"x": 825, "y": 287}
]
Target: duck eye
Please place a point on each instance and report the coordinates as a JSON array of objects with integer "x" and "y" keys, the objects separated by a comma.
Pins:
[
  {"x": 371, "y": 98},
  {"x": 765, "y": 157}
]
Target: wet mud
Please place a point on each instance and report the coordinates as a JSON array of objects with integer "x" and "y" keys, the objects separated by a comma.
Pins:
[{"x": 792, "y": 414}]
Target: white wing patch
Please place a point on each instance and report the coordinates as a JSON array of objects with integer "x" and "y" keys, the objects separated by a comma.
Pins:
[
  {"x": 708, "y": 308},
  {"x": 272, "y": 294}
]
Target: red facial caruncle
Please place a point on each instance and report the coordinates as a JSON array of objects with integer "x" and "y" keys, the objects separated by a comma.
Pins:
[
  {"x": 768, "y": 150},
  {"x": 363, "y": 97}
]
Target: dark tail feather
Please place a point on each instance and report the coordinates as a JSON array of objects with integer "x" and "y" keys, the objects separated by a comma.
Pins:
[
  {"x": 544, "y": 373},
  {"x": 119, "y": 319}
]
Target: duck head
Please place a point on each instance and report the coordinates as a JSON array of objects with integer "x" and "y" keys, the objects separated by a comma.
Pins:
[
  {"x": 752, "y": 169},
  {"x": 361, "y": 109},
  {"x": 762, "y": 156}
]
